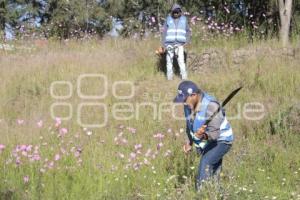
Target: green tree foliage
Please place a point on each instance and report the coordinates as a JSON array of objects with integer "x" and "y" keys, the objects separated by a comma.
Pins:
[
  {"x": 69, "y": 18},
  {"x": 3, "y": 13},
  {"x": 9, "y": 14},
  {"x": 77, "y": 18}
]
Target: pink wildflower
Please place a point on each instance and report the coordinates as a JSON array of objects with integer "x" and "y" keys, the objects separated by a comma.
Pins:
[
  {"x": 24, "y": 153},
  {"x": 57, "y": 122},
  {"x": 76, "y": 154},
  {"x": 26, "y": 179},
  {"x": 132, "y": 130},
  {"x": 159, "y": 136},
  {"x": 124, "y": 141},
  {"x": 63, "y": 131},
  {"x": 160, "y": 145},
  {"x": 36, "y": 157},
  {"x": 51, "y": 165},
  {"x": 22, "y": 147},
  {"x": 137, "y": 146},
  {"x": 132, "y": 155},
  {"x": 2, "y": 147},
  {"x": 153, "y": 19},
  {"x": 36, "y": 149},
  {"x": 20, "y": 121},
  {"x": 39, "y": 123},
  {"x": 136, "y": 166},
  {"x": 57, "y": 157},
  {"x": 18, "y": 161},
  {"x": 28, "y": 148}
]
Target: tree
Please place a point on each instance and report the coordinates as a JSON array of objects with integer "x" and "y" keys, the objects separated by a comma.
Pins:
[
  {"x": 3, "y": 12},
  {"x": 74, "y": 18},
  {"x": 9, "y": 15},
  {"x": 285, "y": 10},
  {"x": 77, "y": 18}
]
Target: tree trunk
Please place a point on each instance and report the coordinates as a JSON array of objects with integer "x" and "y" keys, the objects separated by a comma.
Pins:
[
  {"x": 2, "y": 20},
  {"x": 285, "y": 10}
]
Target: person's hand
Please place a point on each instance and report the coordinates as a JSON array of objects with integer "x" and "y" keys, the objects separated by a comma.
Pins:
[
  {"x": 160, "y": 51},
  {"x": 187, "y": 148},
  {"x": 201, "y": 132}
]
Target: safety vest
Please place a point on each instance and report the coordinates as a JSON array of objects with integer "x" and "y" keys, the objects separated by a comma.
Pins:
[
  {"x": 200, "y": 118},
  {"x": 176, "y": 33}
]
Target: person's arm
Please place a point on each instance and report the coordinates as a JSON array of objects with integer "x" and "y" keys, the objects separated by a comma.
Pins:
[
  {"x": 164, "y": 33},
  {"x": 213, "y": 128},
  {"x": 188, "y": 134},
  {"x": 187, "y": 113},
  {"x": 188, "y": 32}
]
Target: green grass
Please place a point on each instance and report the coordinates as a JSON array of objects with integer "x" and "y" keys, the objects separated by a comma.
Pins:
[{"x": 260, "y": 165}]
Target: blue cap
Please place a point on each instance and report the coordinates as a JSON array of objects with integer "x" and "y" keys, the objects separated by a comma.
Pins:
[{"x": 185, "y": 89}]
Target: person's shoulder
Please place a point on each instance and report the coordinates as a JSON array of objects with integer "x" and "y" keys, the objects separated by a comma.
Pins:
[
  {"x": 183, "y": 17},
  {"x": 213, "y": 105}
]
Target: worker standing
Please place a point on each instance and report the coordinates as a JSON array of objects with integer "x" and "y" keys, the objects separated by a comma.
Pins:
[{"x": 176, "y": 34}]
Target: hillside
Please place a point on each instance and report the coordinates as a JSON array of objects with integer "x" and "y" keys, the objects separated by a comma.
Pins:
[{"x": 137, "y": 154}]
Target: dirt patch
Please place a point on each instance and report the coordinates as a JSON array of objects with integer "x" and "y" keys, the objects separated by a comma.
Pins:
[{"x": 213, "y": 59}]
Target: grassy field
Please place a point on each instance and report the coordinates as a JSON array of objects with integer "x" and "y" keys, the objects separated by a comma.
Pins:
[{"x": 137, "y": 154}]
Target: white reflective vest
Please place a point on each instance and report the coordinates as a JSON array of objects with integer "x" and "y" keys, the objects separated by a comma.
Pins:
[
  {"x": 176, "y": 32},
  {"x": 226, "y": 133}
]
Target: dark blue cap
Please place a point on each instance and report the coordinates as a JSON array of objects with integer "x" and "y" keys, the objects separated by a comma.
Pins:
[{"x": 185, "y": 89}]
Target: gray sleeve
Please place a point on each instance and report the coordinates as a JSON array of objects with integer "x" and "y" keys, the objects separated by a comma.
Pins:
[
  {"x": 164, "y": 33},
  {"x": 188, "y": 32},
  {"x": 213, "y": 128}
]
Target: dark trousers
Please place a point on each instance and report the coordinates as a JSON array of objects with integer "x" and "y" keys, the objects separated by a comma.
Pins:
[{"x": 211, "y": 160}]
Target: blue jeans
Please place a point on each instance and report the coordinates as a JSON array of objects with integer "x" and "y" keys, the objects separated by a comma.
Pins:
[{"x": 211, "y": 161}]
